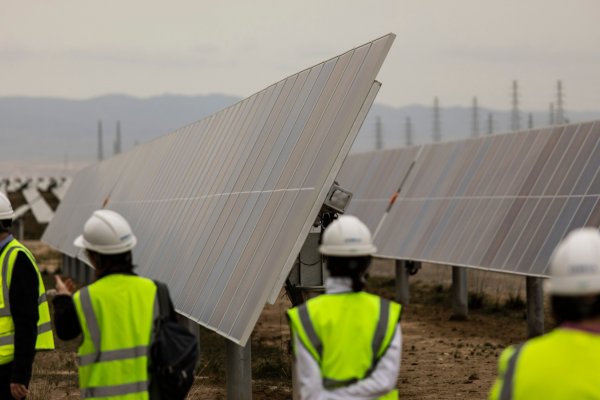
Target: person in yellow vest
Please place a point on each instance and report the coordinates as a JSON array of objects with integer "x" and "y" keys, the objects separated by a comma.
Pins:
[
  {"x": 25, "y": 324},
  {"x": 346, "y": 342},
  {"x": 564, "y": 363},
  {"x": 115, "y": 314}
]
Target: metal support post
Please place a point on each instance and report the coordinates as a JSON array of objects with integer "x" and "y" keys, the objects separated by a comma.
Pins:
[
  {"x": 64, "y": 267},
  {"x": 402, "y": 287},
  {"x": 238, "y": 371},
  {"x": 21, "y": 229},
  {"x": 89, "y": 273},
  {"x": 535, "y": 306},
  {"x": 76, "y": 270},
  {"x": 460, "y": 294}
]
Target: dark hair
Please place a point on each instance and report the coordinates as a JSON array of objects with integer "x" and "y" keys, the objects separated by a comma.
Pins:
[
  {"x": 575, "y": 309},
  {"x": 5, "y": 225},
  {"x": 106, "y": 264},
  {"x": 351, "y": 267}
]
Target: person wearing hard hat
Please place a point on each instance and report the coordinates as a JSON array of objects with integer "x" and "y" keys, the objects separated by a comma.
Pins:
[
  {"x": 115, "y": 313},
  {"x": 564, "y": 363},
  {"x": 346, "y": 342},
  {"x": 25, "y": 324}
]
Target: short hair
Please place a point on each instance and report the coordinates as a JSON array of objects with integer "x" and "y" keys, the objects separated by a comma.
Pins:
[
  {"x": 5, "y": 225},
  {"x": 351, "y": 267}
]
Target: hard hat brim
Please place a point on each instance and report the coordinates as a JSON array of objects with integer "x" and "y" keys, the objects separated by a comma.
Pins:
[
  {"x": 346, "y": 251},
  {"x": 125, "y": 247}
]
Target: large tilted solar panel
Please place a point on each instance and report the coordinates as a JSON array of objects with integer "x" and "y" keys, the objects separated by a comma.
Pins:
[
  {"x": 373, "y": 177},
  {"x": 222, "y": 207},
  {"x": 41, "y": 210},
  {"x": 501, "y": 202},
  {"x": 61, "y": 188}
]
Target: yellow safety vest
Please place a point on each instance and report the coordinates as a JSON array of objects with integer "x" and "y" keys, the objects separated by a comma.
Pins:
[
  {"x": 116, "y": 314},
  {"x": 45, "y": 338},
  {"x": 563, "y": 364},
  {"x": 347, "y": 334}
]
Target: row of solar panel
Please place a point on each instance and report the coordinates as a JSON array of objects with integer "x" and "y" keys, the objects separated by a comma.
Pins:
[
  {"x": 35, "y": 201},
  {"x": 59, "y": 186},
  {"x": 500, "y": 202}
]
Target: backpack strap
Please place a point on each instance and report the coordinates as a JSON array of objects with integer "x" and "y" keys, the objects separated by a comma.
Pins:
[{"x": 165, "y": 306}]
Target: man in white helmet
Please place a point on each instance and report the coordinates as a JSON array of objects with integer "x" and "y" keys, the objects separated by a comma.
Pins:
[
  {"x": 115, "y": 314},
  {"x": 347, "y": 343},
  {"x": 24, "y": 315},
  {"x": 564, "y": 363}
]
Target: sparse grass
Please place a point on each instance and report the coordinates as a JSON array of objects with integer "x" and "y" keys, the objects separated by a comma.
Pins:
[
  {"x": 270, "y": 362},
  {"x": 477, "y": 300},
  {"x": 515, "y": 302}
]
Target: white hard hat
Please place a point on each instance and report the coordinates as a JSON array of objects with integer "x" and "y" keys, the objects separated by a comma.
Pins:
[
  {"x": 347, "y": 237},
  {"x": 106, "y": 232},
  {"x": 575, "y": 264},
  {"x": 6, "y": 210}
]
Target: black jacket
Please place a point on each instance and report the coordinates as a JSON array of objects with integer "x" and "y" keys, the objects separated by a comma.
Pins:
[{"x": 23, "y": 296}]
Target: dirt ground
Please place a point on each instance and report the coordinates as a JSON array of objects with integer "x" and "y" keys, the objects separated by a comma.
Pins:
[{"x": 441, "y": 359}]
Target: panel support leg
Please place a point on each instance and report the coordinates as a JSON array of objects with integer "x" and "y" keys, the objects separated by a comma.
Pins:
[
  {"x": 535, "y": 306},
  {"x": 238, "y": 371},
  {"x": 402, "y": 287},
  {"x": 21, "y": 229},
  {"x": 460, "y": 294}
]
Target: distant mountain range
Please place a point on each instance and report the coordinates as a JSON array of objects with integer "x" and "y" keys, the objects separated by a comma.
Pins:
[{"x": 48, "y": 130}]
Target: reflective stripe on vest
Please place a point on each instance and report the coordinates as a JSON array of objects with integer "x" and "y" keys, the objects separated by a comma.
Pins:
[
  {"x": 376, "y": 344},
  {"x": 509, "y": 375},
  {"x": 45, "y": 338},
  {"x": 94, "y": 329},
  {"x": 5, "y": 311},
  {"x": 10, "y": 339},
  {"x": 93, "y": 360},
  {"x": 116, "y": 390}
]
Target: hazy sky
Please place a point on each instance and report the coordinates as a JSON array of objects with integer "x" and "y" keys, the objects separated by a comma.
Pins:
[{"x": 454, "y": 49}]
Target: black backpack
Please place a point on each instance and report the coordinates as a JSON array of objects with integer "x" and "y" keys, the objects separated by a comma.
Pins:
[{"x": 173, "y": 353}]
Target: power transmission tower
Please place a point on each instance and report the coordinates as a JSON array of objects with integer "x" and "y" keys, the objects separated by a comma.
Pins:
[
  {"x": 378, "y": 133},
  {"x": 409, "y": 135},
  {"x": 100, "y": 142},
  {"x": 490, "y": 123},
  {"x": 475, "y": 119},
  {"x": 560, "y": 111},
  {"x": 515, "y": 121},
  {"x": 118, "y": 139},
  {"x": 530, "y": 121},
  {"x": 552, "y": 118},
  {"x": 437, "y": 130}
]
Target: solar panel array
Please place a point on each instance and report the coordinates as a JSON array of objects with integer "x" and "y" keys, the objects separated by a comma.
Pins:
[
  {"x": 501, "y": 202},
  {"x": 222, "y": 207}
]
